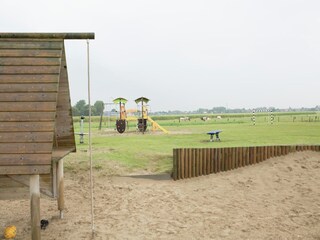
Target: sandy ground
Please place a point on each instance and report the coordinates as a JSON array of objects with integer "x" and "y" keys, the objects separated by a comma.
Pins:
[{"x": 275, "y": 199}]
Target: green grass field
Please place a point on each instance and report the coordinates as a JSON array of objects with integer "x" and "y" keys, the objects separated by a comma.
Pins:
[{"x": 131, "y": 151}]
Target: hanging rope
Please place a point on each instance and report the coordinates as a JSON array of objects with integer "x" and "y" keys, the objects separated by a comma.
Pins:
[{"x": 90, "y": 145}]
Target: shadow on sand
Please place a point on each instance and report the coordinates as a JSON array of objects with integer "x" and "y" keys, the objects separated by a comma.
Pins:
[{"x": 155, "y": 177}]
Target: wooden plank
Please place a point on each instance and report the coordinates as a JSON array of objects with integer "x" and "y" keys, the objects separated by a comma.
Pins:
[
  {"x": 14, "y": 193},
  {"x": 18, "y": 61},
  {"x": 29, "y": 69},
  {"x": 7, "y": 148},
  {"x": 64, "y": 122},
  {"x": 15, "y": 88},
  {"x": 25, "y": 159},
  {"x": 27, "y": 106},
  {"x": 14, "y": 187},
  {"x": 11, "y": 36},
  {"x": 7, "y": 182},
  {"x": 26, "y": 126},
  {"x": 43, "y": 78},
  {"x": 26, "y": 117},
  {"x": 31, "y": 44},
  {"x": 30, "y": 53},
  {"x": 28, "y": 97},
  {"x": 25, "y": 137},
  {"x": 45, "y": 182},
  {"x": 34, "y": 169}
]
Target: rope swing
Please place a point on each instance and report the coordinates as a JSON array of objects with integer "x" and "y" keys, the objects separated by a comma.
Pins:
[{"x": 89, "y": 141}]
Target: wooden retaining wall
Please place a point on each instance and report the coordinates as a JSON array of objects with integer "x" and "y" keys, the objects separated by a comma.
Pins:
[{"x": 194, "y": 162}]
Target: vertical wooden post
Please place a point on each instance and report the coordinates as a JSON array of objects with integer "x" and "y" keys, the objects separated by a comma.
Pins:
[
  {"x": 214, "y": 160},
  {"x": 194, "y": 162},
  {"x": 209, "y": 161},
  {"x": 235, "y": 152},
  {"x": 186, "y": 162},
  {"x": 200, "y": 162},
  {"x": 204, "y": 161},
  {"x": 60, "y": 187},
  {"x": 190, "y": 153},
  {"x": 219, "y": 159},
  {"x": 181, "y": 160},
  {"x": 174, "y": 170},
  {"x": 35, "y": 206},
  {"x": 54, "y": 179},
  {"x": 240, "y": 156}
]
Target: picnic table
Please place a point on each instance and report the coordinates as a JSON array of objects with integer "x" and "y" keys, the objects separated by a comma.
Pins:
[{"x": 212, "y": 133}]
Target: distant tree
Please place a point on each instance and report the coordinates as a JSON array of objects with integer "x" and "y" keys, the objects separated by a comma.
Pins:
[
  {"x": 75, "y": 111},
  {"x": 80, "y": 108},
  {"x": 99, "y": 107}
]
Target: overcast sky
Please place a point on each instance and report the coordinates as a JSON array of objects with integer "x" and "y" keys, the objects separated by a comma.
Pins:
[{"x": 185, "y": 54}]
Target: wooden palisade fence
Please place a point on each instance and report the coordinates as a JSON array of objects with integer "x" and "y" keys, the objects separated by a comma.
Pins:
[{"x": 194, "y": 162}]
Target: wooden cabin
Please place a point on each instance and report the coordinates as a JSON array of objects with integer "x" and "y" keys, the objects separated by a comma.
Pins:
[{"x": 36, "y": 127}]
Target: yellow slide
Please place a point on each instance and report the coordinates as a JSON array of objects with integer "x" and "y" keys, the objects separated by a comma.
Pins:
[{"x": 156, "y": 126}]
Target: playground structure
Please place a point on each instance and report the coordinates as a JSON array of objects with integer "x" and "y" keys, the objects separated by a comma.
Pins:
[
  {"x": 142, "y": 120},
  {"x": 121, "y": 123},
  {"x": 36, "y": 127}
]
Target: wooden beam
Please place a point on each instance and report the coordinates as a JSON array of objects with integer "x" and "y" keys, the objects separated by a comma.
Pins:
[{"x": 82, "y": 35}]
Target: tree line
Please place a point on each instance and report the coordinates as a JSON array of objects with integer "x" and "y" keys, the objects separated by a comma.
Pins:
[{"x": 82, "y": 108}]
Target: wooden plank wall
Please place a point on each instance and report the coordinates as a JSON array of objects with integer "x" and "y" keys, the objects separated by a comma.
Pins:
[
  {"x": 29, "y": 81},
  {"x": 36, "y": 126},
  {"x": 194, "y": 162},
  {"x": 64, "y": 131}
]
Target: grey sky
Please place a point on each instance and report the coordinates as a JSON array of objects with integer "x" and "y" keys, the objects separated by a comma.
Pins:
[{"x": 185, "y": 54}]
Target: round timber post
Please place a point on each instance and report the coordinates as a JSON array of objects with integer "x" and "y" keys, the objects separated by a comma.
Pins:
[
  {"x": 35, "y": 207},
  {"x": 60, "y": 186}
]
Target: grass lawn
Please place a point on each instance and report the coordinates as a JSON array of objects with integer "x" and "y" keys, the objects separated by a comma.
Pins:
[{"x": 131, "y": 151}]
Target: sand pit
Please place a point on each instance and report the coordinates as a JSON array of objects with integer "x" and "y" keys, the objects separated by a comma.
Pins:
[{"x": 275, "y": 199}]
